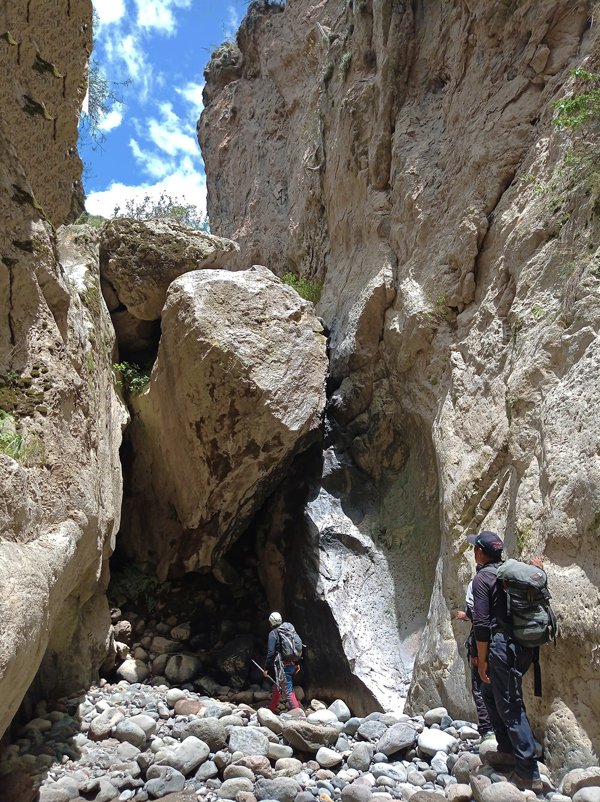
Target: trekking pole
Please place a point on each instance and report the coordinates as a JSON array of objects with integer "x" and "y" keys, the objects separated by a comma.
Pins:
[
  {"x": 281, "y": 678},
  {"x": 263, "y": 671}
]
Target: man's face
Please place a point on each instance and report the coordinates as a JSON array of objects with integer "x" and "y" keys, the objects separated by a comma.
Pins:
[{"x": 479, "y": 555}]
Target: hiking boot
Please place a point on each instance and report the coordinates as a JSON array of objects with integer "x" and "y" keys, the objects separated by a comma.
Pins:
[
  {"x": 499, "y": 759},
  {"x": 487, "y": 736},
  {"x": 534, "y": 784}
]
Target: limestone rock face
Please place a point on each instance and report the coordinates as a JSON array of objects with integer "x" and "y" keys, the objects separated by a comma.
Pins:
[
  {"x": 60, "y": 419},
  {"x": 60, "y": 476},
  {"x": 139, "y": 259},
  {"x": 43, "y": 68},
  {"x": 409, "y": 160},
  {"x": 237, "y": 389}
]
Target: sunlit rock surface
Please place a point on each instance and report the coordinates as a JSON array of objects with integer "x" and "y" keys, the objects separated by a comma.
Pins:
[
  {"x": 408, "y": 160},
  {"x": 236, "y": 391},
  {"x": 140, "y": 258},
  {"x": 61, "y": 473}
]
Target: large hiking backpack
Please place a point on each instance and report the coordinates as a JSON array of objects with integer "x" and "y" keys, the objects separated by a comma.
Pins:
[
  {"x": 530, "y": 617},
  {"x": 290, "y": 645}
]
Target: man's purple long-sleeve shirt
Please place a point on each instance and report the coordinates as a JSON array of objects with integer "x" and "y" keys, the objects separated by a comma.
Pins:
[{"x": 489, "y": 603}]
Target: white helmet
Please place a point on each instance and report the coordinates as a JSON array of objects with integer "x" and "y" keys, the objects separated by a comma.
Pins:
[{"x": 275, "y": 619}]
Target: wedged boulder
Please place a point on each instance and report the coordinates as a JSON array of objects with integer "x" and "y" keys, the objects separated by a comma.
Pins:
[
  {"x": 236, "y": 391},
  {"x": 140, "y": 258}
]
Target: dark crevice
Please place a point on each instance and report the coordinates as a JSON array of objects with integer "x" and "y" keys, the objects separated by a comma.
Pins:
[{"x": 11, "y": 324}]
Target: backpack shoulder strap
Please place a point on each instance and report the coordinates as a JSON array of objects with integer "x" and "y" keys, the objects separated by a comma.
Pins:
[{"x": 537, "y": 673}]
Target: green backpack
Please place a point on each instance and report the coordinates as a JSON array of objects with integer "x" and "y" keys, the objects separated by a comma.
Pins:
[{"x": 531, "y": 619}]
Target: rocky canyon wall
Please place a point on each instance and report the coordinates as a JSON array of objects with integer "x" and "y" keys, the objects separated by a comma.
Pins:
[
  {"x": 60, "y": 418},
  {"x": 404, "y": 154}
]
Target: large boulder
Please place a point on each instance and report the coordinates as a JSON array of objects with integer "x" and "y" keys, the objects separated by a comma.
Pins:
[
  {"x": 140, "y": 258},
  {"x": 236, "y": 391}
]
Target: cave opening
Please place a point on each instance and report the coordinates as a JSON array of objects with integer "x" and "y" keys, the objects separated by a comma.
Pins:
[{"x": 199, "y": 630}]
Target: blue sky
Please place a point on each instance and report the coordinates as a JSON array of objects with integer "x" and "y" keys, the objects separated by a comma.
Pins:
[{"x": 160, "y": 47}]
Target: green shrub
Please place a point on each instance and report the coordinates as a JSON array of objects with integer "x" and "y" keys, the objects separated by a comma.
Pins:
[
  {"x": 94, "y": 220},
  {"x": 440, "y": 311},
  {"x": 133, "y": 377},
  {"x": 307, "y": 289},
  {"x": 579, "y": 108},
  {"x": 164, "y": 206},
  {"x": 11, "y": 441},
  {"x": 345, "y": 61},
  {"x": 524, "y": 536},
  {"x": 28, "y": 450}
]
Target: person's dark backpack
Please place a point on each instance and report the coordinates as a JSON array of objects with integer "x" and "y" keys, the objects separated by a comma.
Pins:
[
  {"x": 290, "y": 645},
  {"x": 531, "y": 619}
]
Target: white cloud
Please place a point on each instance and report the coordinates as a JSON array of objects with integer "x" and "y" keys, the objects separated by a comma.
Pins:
[
  {"x": 131, "y": 52},
  {"x": 232, "y": 24},
  {"x": 153, "y": 164},
  {"x": 163, "y": 146},
  {"x": 159, "y": 14},
  {"x": 169, "y": 133},
  {"x": 125, "y": 60},
  {"x": 162, "y": 139},
  {"x": 109, "y": 11},
  {"x": 112, "y": 120},
  {"x": 187, "y": 187},
  {"x": 192, "y": 92}
]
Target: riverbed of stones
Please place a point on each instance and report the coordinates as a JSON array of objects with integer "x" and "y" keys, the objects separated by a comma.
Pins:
[{"x": 132, "y": 741}]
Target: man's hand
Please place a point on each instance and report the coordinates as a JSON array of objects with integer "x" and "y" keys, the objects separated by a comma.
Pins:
[
  {"x": 482, "y": 655},
  {"x": 265, "y": 674},
  {"x": 461, "y": 615},
  {"x": 537, "y": 561}
]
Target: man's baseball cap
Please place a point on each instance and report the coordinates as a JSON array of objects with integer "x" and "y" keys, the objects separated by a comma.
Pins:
[{"x": 488, "y": 542}]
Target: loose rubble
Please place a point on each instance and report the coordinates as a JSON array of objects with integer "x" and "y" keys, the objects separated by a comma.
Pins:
[
  {"x": 141, "y": 742},
  {"x": 181, "y": 717}
]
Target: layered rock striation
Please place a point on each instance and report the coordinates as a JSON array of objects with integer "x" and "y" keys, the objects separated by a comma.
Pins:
[{"x": 406, "y": 156}]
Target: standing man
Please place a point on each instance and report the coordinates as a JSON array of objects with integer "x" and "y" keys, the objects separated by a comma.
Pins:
[
  {"x": 502, "y": 663},
  {"x": 484, "y": 724},
  {"x": 284, "y": 669}
]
